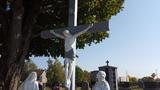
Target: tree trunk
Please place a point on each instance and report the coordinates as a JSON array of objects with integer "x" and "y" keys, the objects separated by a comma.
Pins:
[{"x": 15, "y": 30}]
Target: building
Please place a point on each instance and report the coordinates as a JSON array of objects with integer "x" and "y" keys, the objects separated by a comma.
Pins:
[{"x": 123, "y": 79}]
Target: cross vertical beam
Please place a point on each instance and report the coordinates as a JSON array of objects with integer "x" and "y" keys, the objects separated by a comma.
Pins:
[
  {"x": 74, "y": 31},
  {"x": 73, "y": 8},
  {"x": 72, "y": 21}
]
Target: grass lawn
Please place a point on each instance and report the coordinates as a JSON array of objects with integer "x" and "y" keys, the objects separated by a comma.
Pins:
[
  {"x": 138, "y": 89},
  {"x": 47, "y": 88},
  {"x": 60, "y": 89},
  {"x": 80, "y": 89}
]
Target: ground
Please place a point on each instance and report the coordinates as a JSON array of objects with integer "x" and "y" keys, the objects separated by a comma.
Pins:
[{"x": 80, "y": 89}]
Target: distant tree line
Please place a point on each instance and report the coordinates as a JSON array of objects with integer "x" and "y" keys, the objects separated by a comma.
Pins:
[
  {"x": 135, "y": 82},
  {"x": 55, "y": 73}
]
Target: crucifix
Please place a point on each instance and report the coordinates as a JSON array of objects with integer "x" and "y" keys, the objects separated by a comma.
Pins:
[{"x": 70, "y": 34}]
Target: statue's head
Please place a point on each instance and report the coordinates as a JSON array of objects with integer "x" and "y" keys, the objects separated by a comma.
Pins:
[
  {"x": 32, "y": 76},
  {"x": 101, "y": 75},
  {"x": 66, "y": 33}
]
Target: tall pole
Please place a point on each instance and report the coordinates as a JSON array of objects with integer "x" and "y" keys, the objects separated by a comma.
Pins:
[{"x": 72, "y": 21}]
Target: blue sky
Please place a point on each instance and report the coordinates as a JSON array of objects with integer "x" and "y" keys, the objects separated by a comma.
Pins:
[{"x": 133, "y": 45}]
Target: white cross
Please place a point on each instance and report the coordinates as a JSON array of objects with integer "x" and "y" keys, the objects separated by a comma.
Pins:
[{"x": 69, "y": 34}]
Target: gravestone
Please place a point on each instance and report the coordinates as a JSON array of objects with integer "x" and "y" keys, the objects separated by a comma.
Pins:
[
  {"x": 93, "y": 78},
  {"x": 111, "y": 75}
]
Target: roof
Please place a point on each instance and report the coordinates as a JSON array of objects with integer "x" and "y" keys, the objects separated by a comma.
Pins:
[{"x": 108, "y": 67}]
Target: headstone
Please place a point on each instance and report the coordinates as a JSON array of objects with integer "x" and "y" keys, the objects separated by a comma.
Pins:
[
  {"x": 111, "y": 75},
  {"x": 85, "y": 86},
  {"x": 93, "y": 78}
]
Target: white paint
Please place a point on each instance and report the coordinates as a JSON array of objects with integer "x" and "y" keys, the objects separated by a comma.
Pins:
[
  {"x": 101, "y": 84},
  {"x": 30, "y": 83},
  {"x": 70, "y": 44}
]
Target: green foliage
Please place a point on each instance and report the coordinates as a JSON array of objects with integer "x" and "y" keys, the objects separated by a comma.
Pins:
[
  {"x": 27, "y": 69},
  {"x": 98, "y": 10},
  {"x": 40, "y": 15},
  {"x": 150, "y": 78},
  {"x": 147, "y": 79},
  {"x": 79, "y": 75},
  {"x": 54, "y": 14},
  {"x": 82, "y": 75},
  {"x": 86, "y": 75},
  {"x": 133, "y": 79},
  {"x": 55, "y": 72},
  {"x": 93, "y": 11}
]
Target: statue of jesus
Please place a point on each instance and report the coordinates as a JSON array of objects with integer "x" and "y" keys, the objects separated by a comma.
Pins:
[{"x": 70, "y": 51}]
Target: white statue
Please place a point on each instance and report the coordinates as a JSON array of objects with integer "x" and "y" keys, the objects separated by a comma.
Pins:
[
  {"x": 30, "y": 83},
  {"x": 101, "y": 83},
  {"x": 70, "y": 51}
]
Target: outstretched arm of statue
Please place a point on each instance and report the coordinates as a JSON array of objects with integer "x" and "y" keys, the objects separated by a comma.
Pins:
[
  {"x": 85, "y": 30},
  {"x": 57, "y": 35}
]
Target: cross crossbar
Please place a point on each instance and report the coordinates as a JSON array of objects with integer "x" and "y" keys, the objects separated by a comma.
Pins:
[{"x": 102, "y": 27}]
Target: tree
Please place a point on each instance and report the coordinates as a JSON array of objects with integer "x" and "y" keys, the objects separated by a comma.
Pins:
[
  {"x": 153, "y": 75},
  {"x": 55, "y": 72},
  {"x": 147, "y": 79},
  {"x": 29, "y": 67},
  {"x": 133, "y": 79},
  {"x": 86, "y": 75},
  {"x": 79, "y": 75},
  {"x": 16, "y": 21},
  {"x": 21, "y": 21}
]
